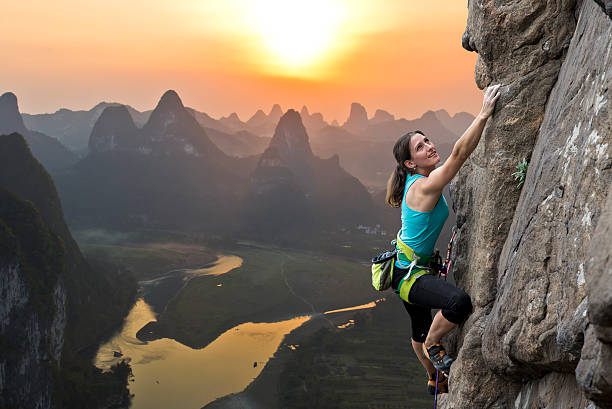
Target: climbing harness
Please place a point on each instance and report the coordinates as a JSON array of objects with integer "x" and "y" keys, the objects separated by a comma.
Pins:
[{"x": 418, "y": 267}]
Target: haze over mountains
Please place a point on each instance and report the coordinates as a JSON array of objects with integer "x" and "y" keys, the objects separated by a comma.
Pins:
[
  {"x": 169, "y": 174},
  {"x": 323, "y": 196},
  {"x": 363, "y": 144}
]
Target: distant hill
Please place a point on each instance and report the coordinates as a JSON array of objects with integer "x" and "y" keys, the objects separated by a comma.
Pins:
[
  {"x": 239, "y": 144},
  {"x": 457, "y": 123},
  {"x": 365, "y": 145},
  {"x": 359, "y": 147},
  {"x": 73, "y": 128},
  {"x": 293, "y": 191},
  {"x": 49, "y": 151},
  {"x": 166, "y": 174}
]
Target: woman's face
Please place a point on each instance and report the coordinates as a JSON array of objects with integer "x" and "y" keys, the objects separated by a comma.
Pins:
[{"x": 423, "y": 153}]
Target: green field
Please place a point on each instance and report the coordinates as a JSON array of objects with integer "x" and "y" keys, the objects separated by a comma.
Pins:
[
  {"x": 368, "y": 365},
  {"x": 144, "y": 255},
  {"x": 271, "y": 285}
]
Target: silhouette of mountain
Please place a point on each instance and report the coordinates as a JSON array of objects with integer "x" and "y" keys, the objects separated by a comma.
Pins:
[
  {"x": 232, "y": 122},
  {"x": 169, "y": 173},
  {"x": 313, "y": 123},
  {"x": 456, "y": 124},
  {"x": 306, "y": 193},
  {"x": 208, "y": 122},
  {"x": 239, "y": 144},
  {"x": 73, "y": 128},
  {"x": 366, "y": 151},
  {"x": 49, "y": 151},
  {"x": 357, "y": 120},
  {"x": 257, "y": 119},
  {"x": 381, "y": 116},
  {"x": 275, "y": 113},
  {"x": 114, "y": 129}
]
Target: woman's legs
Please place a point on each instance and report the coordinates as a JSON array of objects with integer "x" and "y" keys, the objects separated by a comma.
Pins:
[
  {"x": 418, "y": 350},
  {"x": 439, "y": 327},
  {"x": 420, "y": 320},
  {"x": 455, "y": 306}
]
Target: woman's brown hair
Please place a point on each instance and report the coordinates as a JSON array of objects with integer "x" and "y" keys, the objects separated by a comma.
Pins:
[{"x": 397, "y": 181}]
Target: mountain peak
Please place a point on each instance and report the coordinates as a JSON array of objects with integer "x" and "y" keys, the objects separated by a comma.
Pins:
[
  {"x": 8, "y": 99},
  {"x": 276, "y": 111},
  {"x": 430, "y": 116},
  {"x": 358, "y": 118},
  {"x": 290, "y": 136},
  {"x": 170, "y": 101},
  {"x": 304, "y": 112},
  {"x": 10, "y": 118},
  {"x": 382, "y": 116},
  {"x": 291, "y": 119},
  {"x": 234, "y": 117},
  {"x": 258, "y": 117},
  {"x": 113, "y": 129}
]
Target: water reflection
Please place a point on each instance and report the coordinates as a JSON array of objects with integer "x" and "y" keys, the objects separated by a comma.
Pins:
[
  {"x": 357, "y": 307},
  {"x": 168, "y": 374}
]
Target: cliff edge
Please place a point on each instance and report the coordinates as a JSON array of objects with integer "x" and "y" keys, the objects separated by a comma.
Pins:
[{"x": 535, "y": 260}]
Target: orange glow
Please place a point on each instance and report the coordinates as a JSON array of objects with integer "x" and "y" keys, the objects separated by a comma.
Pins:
[{"x": 239, "y": 55}]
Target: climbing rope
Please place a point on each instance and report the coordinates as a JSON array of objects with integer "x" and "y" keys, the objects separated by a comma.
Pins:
[
  {"x": 436, "y": 392},
  {"x": 443, "y": 272}
]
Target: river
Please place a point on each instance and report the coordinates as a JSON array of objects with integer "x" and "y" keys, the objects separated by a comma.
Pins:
[{"x": 168, "y": 374}]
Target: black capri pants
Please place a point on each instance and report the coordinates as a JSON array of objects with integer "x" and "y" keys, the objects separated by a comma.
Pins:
[{"x": 429, "y": 292}]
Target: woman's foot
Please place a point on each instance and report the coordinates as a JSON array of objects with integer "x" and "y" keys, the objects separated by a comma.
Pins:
[
  {"x": 437, "y": 355},
  {"x": 442, "y": 384}
]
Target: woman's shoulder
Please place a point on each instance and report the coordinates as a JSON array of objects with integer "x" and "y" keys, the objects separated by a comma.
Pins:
[{"x": 413, "y": 178}]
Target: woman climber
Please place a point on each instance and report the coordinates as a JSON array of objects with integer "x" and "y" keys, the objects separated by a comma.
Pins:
[{"x": 416, "y": 186}]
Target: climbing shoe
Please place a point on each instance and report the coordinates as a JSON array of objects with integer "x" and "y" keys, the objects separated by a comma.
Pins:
[
  {"x": 442, "y": 384},
  {"x": 437, "y": 355}
]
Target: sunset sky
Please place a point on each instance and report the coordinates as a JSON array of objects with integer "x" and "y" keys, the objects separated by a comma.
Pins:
[{"x": 403, "y": 56}]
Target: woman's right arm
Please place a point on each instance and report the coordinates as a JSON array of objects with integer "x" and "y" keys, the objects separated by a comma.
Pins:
[{"x": 463, "y": 148}]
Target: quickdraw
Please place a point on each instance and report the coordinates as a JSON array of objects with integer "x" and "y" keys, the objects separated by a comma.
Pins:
[
  {"x": 448, "y": 261},
  {"x": 436, "y": 263}
]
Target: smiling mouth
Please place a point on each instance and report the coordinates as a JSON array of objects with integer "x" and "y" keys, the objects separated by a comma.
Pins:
[{"x": 433, "y": 154}]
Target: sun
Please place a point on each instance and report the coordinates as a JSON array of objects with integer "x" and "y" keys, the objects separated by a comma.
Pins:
[{"x": 296, "y": 34}]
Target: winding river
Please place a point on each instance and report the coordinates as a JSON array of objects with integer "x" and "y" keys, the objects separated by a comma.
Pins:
[{"x": 168, "y": 374}]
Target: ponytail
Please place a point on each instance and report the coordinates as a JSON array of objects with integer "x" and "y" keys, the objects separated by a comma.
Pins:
[
  {"x": 397, "y": 180},
  {"x": 395, "y": 186}
]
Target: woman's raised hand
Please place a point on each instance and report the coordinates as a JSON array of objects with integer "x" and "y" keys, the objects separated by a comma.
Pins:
[{"x": 490, "y": 97}]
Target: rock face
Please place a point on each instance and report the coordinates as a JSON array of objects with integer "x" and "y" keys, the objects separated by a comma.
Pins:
[
  {"x": 53, "y": 306},
  {"x": 32, "y": 317},
  {"x": 530, "y": 258}
]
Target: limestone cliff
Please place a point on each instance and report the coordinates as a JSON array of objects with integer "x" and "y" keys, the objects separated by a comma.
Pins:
[{"x": 535, "y": 260}]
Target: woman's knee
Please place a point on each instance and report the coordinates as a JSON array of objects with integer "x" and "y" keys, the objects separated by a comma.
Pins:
[
  {"x": 463, "y": 305},
  {"x": 459, "y": 308}
]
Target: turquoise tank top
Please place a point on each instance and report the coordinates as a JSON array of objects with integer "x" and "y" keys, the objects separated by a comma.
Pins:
[{"x": 420, "y": 230}]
